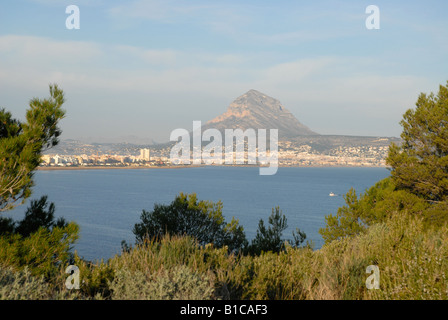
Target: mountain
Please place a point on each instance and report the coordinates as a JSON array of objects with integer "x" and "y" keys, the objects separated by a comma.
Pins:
[{"x": 257, "y": 110}]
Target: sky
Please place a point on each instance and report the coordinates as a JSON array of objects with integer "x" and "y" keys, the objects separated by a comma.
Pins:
[{"x": 136, "y": 70}]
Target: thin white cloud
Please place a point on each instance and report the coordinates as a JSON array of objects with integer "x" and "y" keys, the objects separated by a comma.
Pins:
[
  {"x": 149, "y": 56},
  {"x": 294, "y": 72},
  {"x": 27, "y": 59},
  {"x": 44, "y": 50}
]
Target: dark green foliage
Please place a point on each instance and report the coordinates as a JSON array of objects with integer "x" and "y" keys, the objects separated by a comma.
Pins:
[
  {"x": 420, "y": 164},
  {"x": 22, "y": 144},
  {"x": 347, "y": 222},
  {"x": 203, "y": 220},
  {"x": 270, "y": 238},
  {"x": 436, "y": 214},
  {"x": 7, "y": 225},
  {"x": 419, "y": 175},
  {"x": 376, "y": 205},
  {"x": 299, "y": 237},
  {"x": 39, "y": 214},
  {"x": 38, "y": 242},
  {"x": 94, "y": 277},
  {"x": 43, "y": 252}
]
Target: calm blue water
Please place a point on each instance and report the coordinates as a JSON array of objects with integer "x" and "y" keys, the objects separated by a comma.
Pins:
[{"x": 107, "y": 203}]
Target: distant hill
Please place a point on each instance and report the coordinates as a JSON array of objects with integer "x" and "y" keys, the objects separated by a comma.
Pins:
[
  {"x": 326, "y": 144},
  {"x": 257, "y": 110}
]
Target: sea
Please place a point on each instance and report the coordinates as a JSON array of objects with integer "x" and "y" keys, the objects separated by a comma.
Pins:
[{"x": 107, "y": 203}]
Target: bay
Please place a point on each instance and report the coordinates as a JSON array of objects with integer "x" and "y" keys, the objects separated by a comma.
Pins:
[{"x": 106, "y": 203}]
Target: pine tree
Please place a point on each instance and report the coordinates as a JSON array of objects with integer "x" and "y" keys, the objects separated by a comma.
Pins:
[
  {"x": 23, "y": 143},
  {"x": 186, "y": 215},
  {"x": 420, "y": 163}
]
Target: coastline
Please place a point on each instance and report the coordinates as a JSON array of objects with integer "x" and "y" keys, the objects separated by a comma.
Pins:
[
  {"x": 113, "y": 167},
  {"x": 55, "y": 168}
]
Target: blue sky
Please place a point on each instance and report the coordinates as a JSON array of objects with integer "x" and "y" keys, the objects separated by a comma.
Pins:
[{"x": 143, "y": 68}]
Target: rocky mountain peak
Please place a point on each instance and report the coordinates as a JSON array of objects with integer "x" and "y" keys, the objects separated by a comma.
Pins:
[{"x": 257, "y": 110}]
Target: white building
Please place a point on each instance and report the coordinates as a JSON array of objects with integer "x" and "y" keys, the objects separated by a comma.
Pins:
[{"x": 144, "y": 154}]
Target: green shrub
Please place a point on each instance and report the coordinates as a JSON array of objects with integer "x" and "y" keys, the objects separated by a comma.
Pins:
[
  {"x": 410, "y": 257},
  {"x": 22, "y": 285},
  {"x": 153, "y": 257},
  {"x": 42, "y": 252},
  {"x": 279, "y": 276},
  {"x": 178, "y": 283},
  {"x": 94, "y": 278},
  {"x": 202, "y": 220},
  {"x": 40, "y": 214},
  {"x": 376, "y": 205},
  {"x": 271, "y": 238},
  {"x": 413, "y": 265}
]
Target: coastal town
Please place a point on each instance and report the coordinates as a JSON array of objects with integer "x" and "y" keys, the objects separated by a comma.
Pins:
[{"x": 289, "y": 154}]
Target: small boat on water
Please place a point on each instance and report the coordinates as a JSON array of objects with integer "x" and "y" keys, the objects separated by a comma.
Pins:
[{"x": 332, "y": 194}]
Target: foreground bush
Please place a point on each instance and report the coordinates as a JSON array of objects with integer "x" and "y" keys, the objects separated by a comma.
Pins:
[
  {"x": 22, "y": 285},
  {"x": 270, "y": 239},
  {"x": 42, "y": 252},
  {"x": 186, "y": 215},
  {"x": 178, "y": 283},
  {"x": 212, "y": 265},
  {"x": 410, "y": 256},
  {"x": 94, "y": 278}
]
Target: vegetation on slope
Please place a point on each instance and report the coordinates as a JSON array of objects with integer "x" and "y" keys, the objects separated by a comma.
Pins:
[{"x": 399, "y": 225}]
